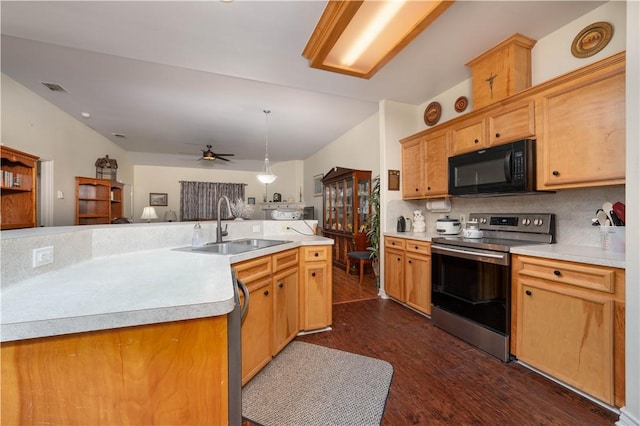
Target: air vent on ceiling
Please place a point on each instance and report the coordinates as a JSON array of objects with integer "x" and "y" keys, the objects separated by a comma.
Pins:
[
  {"x": 119, "y": 135},
  {"x": 54, "y": 87}
]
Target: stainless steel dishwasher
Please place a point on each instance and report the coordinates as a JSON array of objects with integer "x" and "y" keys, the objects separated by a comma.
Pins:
[{"x": 234, "y": 331}]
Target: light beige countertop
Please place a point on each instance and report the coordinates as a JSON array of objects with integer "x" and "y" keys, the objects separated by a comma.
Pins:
[
  {"x": 570, "y": 252},
  {"x": 125, "y": 289}
]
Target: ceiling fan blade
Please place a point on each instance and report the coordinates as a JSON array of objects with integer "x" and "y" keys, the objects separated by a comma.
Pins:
[
  {"x": 226, "y": 155},
  {"x": 222, "y": 158}
]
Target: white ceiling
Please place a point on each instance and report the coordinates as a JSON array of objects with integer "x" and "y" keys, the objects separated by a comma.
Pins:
[{"x": 176, "y": 76}]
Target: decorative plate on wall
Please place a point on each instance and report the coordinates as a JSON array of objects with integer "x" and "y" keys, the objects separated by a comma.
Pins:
[
  {"x": 592, "y": 39},
  {"x": 461, "y": 104},
  {"x": 432, "y": 113}
]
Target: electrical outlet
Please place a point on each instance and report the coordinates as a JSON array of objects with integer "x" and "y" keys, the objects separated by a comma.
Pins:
[
  {"x": 462, "y": 218},
  {"x": 256, "y": 228},
  {"x": 42, "y": 256}
]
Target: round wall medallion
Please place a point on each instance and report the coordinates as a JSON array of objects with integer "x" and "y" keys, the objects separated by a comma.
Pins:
[
  {"x": 461, "y": 104},
  {"x": 432, "y": 113},
  {"x": 591, "y": 39}
]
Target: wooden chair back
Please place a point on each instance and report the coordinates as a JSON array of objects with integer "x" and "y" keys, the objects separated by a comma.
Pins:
[{"x": 360, "y": 241}]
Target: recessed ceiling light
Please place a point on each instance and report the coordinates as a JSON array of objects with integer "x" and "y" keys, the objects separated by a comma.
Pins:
[
  {"x": 86, "y": 115},
  {"x": 119, "y": 135}
]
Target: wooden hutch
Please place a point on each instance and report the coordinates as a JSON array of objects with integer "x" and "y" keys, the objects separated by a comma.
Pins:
[
  {"x": 346, "y": 208},
  {"x": 19, "y": 189}
]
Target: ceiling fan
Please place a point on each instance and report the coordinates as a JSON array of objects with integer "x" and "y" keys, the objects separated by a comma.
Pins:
[{"x": 209, "y": 155}]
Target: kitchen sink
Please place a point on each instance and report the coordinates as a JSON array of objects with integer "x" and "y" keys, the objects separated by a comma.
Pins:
[{"x": 234, "y": 246}]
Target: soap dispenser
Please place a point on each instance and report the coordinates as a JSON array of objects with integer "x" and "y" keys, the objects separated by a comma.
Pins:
[{"x": 197, "y": 240}]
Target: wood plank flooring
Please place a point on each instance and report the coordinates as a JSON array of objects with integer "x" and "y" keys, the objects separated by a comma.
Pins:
[{"x": 439, "y": 379}]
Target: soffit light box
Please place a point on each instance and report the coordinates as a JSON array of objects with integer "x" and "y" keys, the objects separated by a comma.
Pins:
[{"x": 358, "y": 38}]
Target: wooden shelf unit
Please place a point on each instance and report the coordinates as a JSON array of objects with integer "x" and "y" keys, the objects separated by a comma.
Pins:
[
  {"x": 93, "y": 201},
  {"x": 117, "y": 201},
  {"x": 19, "y": 189}
]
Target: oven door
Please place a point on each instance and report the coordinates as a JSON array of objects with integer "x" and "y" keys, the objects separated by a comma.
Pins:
[{"x": 473, "y": 284}]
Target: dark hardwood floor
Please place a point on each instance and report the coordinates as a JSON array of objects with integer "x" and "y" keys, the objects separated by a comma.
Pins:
[{"x": 439, "y": 379}]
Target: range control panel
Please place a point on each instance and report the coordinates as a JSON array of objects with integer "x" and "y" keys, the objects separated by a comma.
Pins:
[{"x": 539, "y": 223}]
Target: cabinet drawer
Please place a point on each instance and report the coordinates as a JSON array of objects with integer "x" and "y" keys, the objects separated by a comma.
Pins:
[
  {"x": 285, "y": 259},
  {"x": 398, "y": 243},
  {"x": 253, "y": 269},
  {"x": 579, "y": 275},
  {"x": 417, "y": 246},
  {"x": 315, "y": 253}
]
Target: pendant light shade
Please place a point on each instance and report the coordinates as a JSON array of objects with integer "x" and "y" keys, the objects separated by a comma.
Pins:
[{"x": 266, "y": 175}]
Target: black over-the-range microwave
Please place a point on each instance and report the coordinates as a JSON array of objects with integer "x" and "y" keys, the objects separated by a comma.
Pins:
[{"x": 501, "y": 170}]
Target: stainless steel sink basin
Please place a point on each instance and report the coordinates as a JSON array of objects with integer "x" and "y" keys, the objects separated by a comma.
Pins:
[{"x": 235, "y": 246}]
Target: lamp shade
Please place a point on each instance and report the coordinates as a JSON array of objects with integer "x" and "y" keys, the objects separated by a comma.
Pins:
[
  {"x": 170, "y": 216},
  {"x": 149, "y": 213}
]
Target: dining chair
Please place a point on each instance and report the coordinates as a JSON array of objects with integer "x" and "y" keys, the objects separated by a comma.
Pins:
[{"x": 359, "y": 253}]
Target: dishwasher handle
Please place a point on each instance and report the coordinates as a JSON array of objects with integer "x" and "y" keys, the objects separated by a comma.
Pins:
[{"x": 245, "y": 293}]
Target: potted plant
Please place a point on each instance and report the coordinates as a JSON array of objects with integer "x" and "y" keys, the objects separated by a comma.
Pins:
[{"x": 373, "y": 233}]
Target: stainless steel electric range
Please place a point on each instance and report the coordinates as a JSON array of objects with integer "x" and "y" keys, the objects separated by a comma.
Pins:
[{"x": 471, "y": 277}]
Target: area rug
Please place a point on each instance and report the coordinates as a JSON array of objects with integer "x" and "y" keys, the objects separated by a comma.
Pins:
[{"x": 308, "y": 384}]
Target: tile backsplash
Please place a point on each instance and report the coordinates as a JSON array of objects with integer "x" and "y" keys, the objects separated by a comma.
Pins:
[{"x": 573, "y": 209}]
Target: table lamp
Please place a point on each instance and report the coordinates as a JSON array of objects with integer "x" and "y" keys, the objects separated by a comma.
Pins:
[
  {"x": 170, "y": 216},
  {"x": 149, "y": 213}
]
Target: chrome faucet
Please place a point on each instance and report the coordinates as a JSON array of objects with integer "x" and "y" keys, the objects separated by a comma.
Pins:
[{"x": 219, "y": 232}]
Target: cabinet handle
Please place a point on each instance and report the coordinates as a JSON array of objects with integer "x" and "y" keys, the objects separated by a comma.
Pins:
[
  {"x": 415, "y": 247},
  {"x": 428, "y": 188},
  {"x": 555, "y": 173},
  {"x": 280, "y": 285},
  {"x": 528, "y": 292},
  {"x": 416, "y": 189},
  {"x": 409, "y": 261},
  {"x": 497, "y": 135},
  {"x": 313, "y": 274},
  {"x": 316, "y": 254},
  {"x": 557, "y": 273},
  {"x": 398, "y": 259},
  {"x": 266, "y": 292},
  {"x": 476, "y": 141}
]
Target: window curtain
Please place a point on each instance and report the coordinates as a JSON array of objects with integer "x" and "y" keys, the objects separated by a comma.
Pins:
[{"x": 199, "y": 200}]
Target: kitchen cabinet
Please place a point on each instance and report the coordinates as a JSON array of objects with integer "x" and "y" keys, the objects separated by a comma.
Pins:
[
  {"x": 582, "y": 122},
  {"x": 93, "y": 201},
  {"x": 408, "y": 272},
  {"x": 569, "y": 323},
  {"x": 315, "y": 288},
  {"x": 424, "y": 166},
  {"x": 346, "y": 209},
  {"x": 168, "y": 373},
  {"x": 18, "y": 189},
  {"x": 468, "y": 135},
  {"x": 285, "y": 299}
]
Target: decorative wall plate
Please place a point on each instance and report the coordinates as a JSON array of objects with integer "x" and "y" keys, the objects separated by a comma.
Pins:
[
  {"x": 461, "y": 104},
  {"x": 592, "y": 39},
  {"x": 432, "y": 113}
]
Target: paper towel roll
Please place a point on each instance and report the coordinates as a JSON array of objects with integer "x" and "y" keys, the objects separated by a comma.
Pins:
[{"x": 439, "y": 205}]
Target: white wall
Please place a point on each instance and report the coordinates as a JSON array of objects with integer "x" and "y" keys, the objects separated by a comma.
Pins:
[
  {"x": 167, "y": 180},
  {"x": 359, "y": 148},
  {"x": 32, "y": 124}
]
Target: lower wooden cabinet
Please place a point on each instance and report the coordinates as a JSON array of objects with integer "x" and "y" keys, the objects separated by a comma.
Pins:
[
  {"x": 170, "y": 373},
  {"x": 285, "y": 304},
  {"x": 569, "y": 323},
  {"x": 315, "y": 287},
  {"x": 408, "y": 272}
]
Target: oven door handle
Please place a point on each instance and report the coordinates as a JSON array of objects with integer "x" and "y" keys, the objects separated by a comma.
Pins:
[{"x": 502, "y": 257}]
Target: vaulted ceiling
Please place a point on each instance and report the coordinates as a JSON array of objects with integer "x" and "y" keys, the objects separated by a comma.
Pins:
[{"x": 174, "y": 77}]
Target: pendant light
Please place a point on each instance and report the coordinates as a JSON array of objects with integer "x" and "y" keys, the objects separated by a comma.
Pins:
[{"x": 266, "y": 175}]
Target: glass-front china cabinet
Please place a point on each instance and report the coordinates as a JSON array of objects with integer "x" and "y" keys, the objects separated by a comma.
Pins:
[{"x": 346, "y": 209}]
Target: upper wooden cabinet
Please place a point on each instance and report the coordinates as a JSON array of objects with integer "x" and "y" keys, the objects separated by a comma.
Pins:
[
  {"x": 19, "y": 189},
  {"x": 581, "y": 131},
  {"x": 511, "y": 122},
  {"x": 424, "y": 165},
  {"x": 468, "y": 135}
]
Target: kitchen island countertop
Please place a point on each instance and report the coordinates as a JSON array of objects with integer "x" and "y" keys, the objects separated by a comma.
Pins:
[{"x": 129, "y": 289}]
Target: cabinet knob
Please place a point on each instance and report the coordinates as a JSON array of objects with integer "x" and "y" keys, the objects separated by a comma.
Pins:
[
  {"x": 429, "y": 188},
  {"x": 316, "y": 254},
  {"x": 280, "y": 285},
  {"x": 476, "y": 141},
  {"x": 497, "y": 135},
  {"x": 415, "y": 247},
  {"x": 555, "y": 173},
  {"x": 266, "y": 292},
  {"x": 398, "y": 259},
  {"x": 409, "y": 261},
  {"x": 313, "y": 274},
  {"x": 416, "y": 189},
  {"x": 557, "y": 273},
  {"x": 528, "y": 292}
]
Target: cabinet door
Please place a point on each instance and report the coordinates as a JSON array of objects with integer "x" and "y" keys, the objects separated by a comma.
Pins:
[
  {"x": 394, "y": 274},
  {"x": 512, "y": 123},
  {"x": 316, "y": 296},
  {"x": 412, "y": 170},
  {"x": 437, "y": 182},
  {"x": 583, "y": 134},
  {"x": 418, "y": 282},
  {"x": 285, "y": 308},
  {"x": 468, "y": 136},
  {"x": 256, "y": 329},
  {"x": 568, "y": 334}
]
